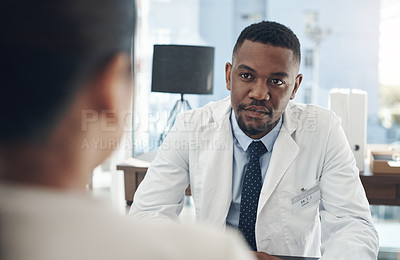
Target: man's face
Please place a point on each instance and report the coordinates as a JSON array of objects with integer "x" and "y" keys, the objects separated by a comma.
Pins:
[{"x": 262, "y": 80}]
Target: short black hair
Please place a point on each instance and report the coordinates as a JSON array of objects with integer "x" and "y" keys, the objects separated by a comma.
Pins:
[
  {"x": 49, "y": 49},
  {"x": 272, "y": 33}
]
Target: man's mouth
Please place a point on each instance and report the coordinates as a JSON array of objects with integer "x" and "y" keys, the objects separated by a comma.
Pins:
[
  {"x": 257, "y": 109},
  {"x": 256, "y": 112}
]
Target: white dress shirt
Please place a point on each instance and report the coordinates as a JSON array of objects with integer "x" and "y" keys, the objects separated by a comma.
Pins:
[{"x": 241, "y": 143}]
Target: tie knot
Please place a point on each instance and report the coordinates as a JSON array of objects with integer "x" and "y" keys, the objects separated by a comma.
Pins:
[{"x": 256, "y": 149}]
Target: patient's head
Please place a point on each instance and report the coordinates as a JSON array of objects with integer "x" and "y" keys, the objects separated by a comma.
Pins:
[
  {"x": 61, "y": 58},
  {"x": 51, "y": 49}
]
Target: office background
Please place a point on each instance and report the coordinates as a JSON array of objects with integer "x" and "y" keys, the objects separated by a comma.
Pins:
[{"x": 345, "y": 44}]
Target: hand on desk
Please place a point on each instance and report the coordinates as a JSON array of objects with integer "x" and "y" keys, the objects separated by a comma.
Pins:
[{"x": 265, "y": 256}]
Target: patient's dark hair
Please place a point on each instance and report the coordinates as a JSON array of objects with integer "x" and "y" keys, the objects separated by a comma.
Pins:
[
  {"x": 49, "y": 49},
  {"x": 272, "y": 33}
]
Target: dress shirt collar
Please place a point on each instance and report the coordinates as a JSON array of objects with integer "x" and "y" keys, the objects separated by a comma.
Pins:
[{"x": 244, "y": 141}]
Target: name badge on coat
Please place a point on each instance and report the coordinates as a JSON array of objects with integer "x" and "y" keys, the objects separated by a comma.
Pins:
[{"x": 306, "y": 198}]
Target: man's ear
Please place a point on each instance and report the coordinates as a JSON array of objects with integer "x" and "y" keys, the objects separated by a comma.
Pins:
[
  {"x": 110, "y": 83},
  {"x": 228, "y": 70},
  {"x": 297, "y": 83}
]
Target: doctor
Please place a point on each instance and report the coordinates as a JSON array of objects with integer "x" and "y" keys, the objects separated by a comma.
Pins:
[{"x": 282, "y": 173}]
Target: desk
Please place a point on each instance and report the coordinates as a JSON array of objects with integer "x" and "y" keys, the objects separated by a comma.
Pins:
[
  {"x": 134, "y": 171},
  {"x": 380, "y": 189}
]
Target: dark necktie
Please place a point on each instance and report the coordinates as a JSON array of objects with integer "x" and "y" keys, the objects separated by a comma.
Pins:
[{"x": 251, "y": 189}]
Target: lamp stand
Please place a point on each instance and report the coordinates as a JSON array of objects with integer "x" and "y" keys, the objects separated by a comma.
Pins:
[{"x": 181, "y": 105}]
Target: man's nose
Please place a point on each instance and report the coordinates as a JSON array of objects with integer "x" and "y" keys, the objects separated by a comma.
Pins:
[{"x": 259, "y": 91}]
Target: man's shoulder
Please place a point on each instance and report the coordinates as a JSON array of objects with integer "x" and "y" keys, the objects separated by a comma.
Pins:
[
  {"x": 304, "y": 111},
  {"x": 174, "y": 241},
  {"x": 309, "y": 119},
  {"x": 79, "y": 221},
  {"x": 212, "y": 112},
  {"x": 215, "y": 106},
  {"x": 192, "y": 239}
]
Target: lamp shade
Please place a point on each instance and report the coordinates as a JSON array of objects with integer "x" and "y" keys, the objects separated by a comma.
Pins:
[{"x": 183, "y": 69}]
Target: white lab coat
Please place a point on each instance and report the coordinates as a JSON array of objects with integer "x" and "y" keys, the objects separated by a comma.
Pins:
[{"x": 310, "y": 151}]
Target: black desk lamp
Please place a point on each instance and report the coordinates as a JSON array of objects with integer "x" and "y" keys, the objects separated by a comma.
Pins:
[{"x": 182, "y": 69}]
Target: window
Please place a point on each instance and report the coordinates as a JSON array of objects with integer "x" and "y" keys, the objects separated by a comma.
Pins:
[{"x": 308, "y": 58}]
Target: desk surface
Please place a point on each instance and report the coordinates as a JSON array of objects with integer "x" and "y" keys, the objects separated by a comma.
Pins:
[
  {"x": 134, "y": 162},
  {"x": 380, "y": 189}
]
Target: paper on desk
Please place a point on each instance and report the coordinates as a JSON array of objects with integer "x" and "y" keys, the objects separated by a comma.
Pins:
[{"x": 394, "y": 163}]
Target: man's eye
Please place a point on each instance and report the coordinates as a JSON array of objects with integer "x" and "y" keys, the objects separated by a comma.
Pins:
[
  {"x": 277, "y": 82},
  {"x": 246, "y": 76}
]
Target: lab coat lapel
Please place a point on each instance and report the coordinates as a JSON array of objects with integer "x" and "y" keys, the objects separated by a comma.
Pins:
[
  {"x": 214, "y": 167},
  {"x": 284, "y": 153}
]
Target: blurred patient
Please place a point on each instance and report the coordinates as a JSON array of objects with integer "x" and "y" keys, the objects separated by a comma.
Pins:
[{"x": 60, "y": 60}]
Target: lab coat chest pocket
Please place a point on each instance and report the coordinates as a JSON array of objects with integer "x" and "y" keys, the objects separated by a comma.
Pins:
[{"x": 299, "y": 213}]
